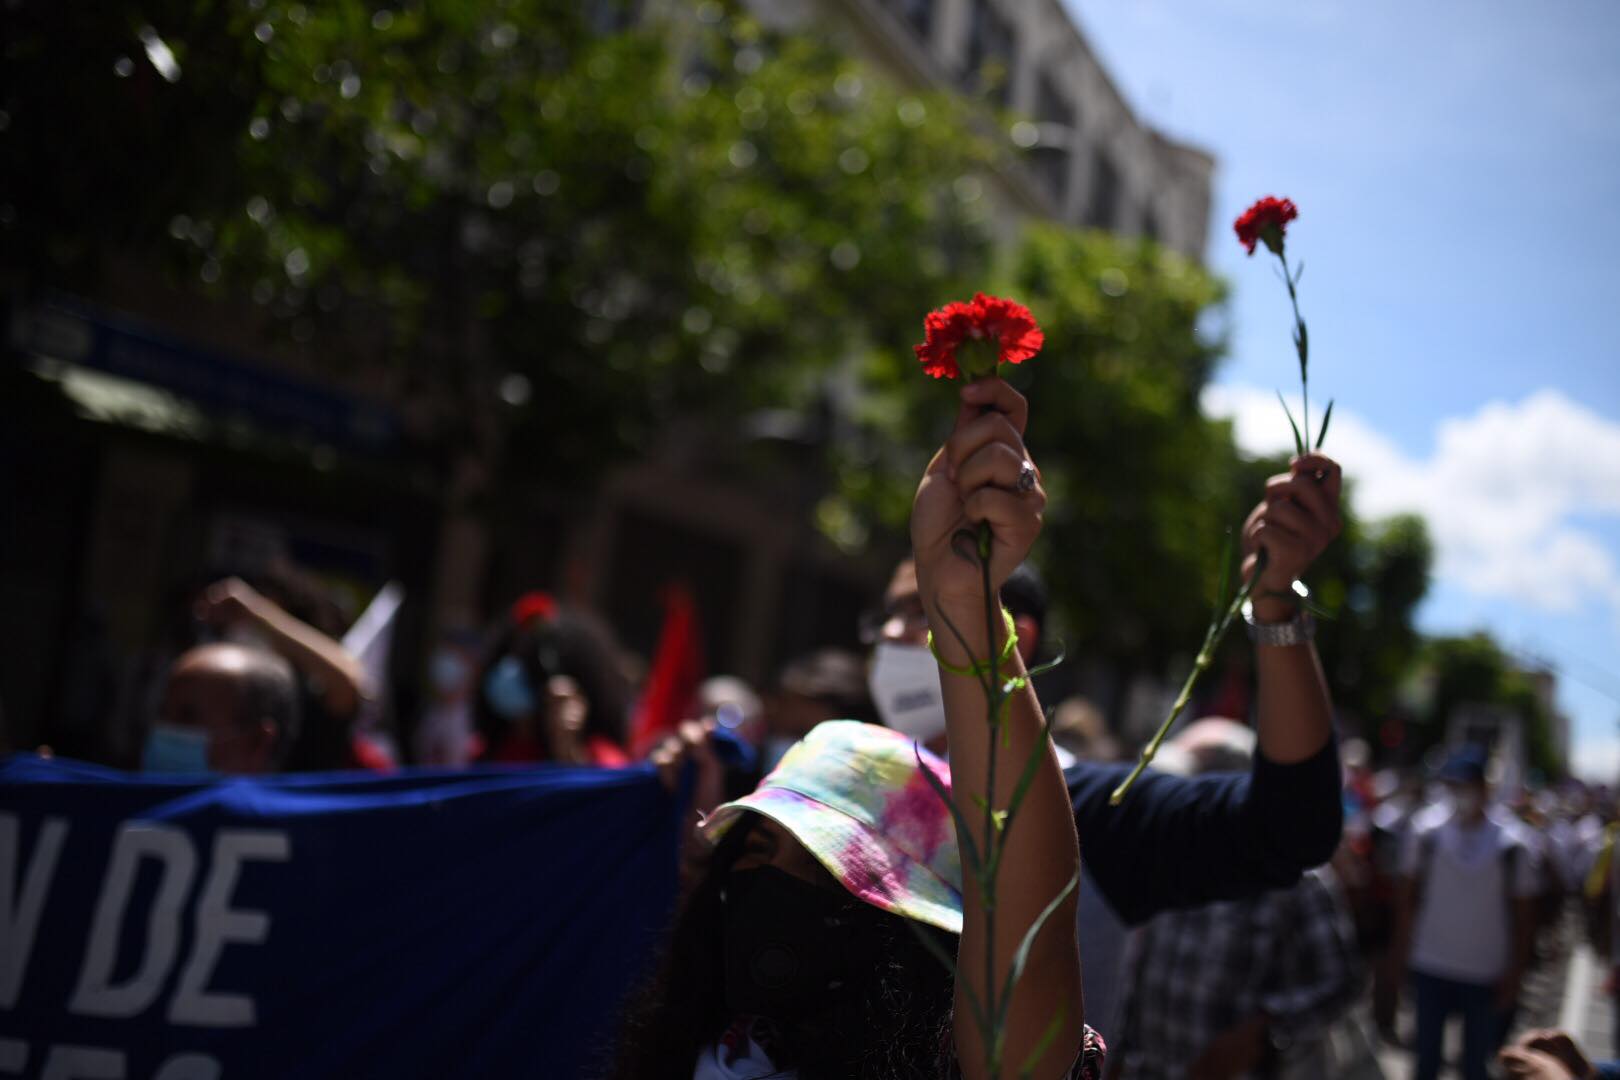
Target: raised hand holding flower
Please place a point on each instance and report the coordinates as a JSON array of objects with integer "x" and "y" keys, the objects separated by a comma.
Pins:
[
  {"x": 977, "y": 512},
  {"x": 1299, "y": 515}
]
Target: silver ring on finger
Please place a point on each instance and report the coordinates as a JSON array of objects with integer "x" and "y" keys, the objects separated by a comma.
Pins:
[{"x": 1026, "y": 476}]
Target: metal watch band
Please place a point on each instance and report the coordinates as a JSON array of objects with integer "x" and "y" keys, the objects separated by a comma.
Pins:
[{"x": 1300, "y": 630}]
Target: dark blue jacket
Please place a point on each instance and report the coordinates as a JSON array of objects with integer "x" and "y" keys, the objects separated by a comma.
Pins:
[{"x": 1177, "y": 843}]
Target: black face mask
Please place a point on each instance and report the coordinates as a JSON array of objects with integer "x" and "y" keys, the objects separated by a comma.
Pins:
[{"x": 793, "y": 950}]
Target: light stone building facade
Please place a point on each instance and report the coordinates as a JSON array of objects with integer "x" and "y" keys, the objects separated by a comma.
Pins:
[{"x": 1093, "y": 162}]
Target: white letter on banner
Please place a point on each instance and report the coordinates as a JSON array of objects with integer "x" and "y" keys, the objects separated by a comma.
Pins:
[
  {"x": 20, "y": 908},
  {"x": 95, "y": 994},
  {"x": 83, "y": 1063},
  {"x": 219, "y": 924},
  {"x": 189, "y": 1067}
]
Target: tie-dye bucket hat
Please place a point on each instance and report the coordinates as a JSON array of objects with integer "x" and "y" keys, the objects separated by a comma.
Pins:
[{"x": 855, "y": 796}]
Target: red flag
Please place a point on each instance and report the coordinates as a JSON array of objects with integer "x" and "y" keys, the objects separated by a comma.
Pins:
[{"x": 671, "y": 693}]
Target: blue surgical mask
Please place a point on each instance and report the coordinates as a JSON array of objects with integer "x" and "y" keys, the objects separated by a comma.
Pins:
[
  {"x": 172, "y": 749},
  {"x": 508, "y": 690}
]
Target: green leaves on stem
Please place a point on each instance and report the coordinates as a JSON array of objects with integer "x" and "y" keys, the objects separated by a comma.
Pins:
[{"x": 1302, "y": 349}]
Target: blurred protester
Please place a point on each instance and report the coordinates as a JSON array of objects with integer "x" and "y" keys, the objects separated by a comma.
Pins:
[
  {"x": 828, "y": 684},
  {"x": 902, "y": 678},
  {"x": 1359, "y": 783},
  {"x": 1465, "y": 919},
  {"x": 226, "y": 709},
  {"x": 800, "y": 953},
  {"x": 1602, "y": 917},
  {"x": 444, "y": 735},
  {"x": 1080, "y": 732},
  {"x": 1241, "y": 987},
  {"x": 797, "y": 952},
  {"x": 734, "y": 706},
  {"x": 1397, "y": 798},
  {"x": 550, "y": 689},
  {"x": 331, "y": 683}
]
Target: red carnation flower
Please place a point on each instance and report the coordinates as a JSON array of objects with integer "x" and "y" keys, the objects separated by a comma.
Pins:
[
  {"x": 1265, "y": 222},
  {"x": 971, "y": 339}
]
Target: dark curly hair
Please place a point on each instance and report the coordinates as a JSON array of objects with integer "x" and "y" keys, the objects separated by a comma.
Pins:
[
  {"x": 897, "y": 1028},
  {"x": 572, "y": 643}
]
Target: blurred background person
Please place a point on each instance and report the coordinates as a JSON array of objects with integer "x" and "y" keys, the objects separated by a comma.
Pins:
[
  {"x": 1080, "y": 732},
  {"x": 444, "y": 733},
  {"x": 329, "y": 679},
  {"x": 551, "y": 689},
  {"x": 1465, "y": 919},
  {"x": 1241, "y": 987},
  {"x": 828, "y": 684},
  {"x": 226, "y": 709}
]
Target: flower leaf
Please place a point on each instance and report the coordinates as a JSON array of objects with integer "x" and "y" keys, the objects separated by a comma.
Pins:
[
  {"x": 1299, "y": 444},
  {"x": 1317, "y": 609},
  {"x": 1051, "y": 665},
  {"x": 1326, "y": 418},
  {"x": 1021, "y": 957},
  {"x": 1302, "y": 342},
  {"x": 1044, "y": 1043},
  {"x": 981, "y": 671},
  {"x": 1032, "y": 766},
  {"x": 964, "y": 835}
]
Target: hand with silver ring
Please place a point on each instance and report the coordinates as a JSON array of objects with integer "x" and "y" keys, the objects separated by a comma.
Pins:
[{"x": 1026, "y": 476}]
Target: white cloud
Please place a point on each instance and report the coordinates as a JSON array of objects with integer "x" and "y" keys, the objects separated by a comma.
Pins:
[
  {"x": 1597, "y": 762},
  {"x": 1500, "y": 491}
]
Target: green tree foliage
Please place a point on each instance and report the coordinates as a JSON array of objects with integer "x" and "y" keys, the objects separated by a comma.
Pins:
[
  {"x": 1474, "y": 670},
  {"x": 637, "y": 222},
  {"x": 643, "y": 222}
]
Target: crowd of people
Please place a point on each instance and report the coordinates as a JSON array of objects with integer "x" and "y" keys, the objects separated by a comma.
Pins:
[{"x": 1261, "y": 899}]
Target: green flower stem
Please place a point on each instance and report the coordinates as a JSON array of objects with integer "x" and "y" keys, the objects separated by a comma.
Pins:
[
  {"x": 1206, "y": 656},
  {"x": 992, "y": 843},
  {"x": 1301, "y": 346}
]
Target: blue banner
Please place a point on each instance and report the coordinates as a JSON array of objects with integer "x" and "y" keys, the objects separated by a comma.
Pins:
[{"x": 427, "y": 924}]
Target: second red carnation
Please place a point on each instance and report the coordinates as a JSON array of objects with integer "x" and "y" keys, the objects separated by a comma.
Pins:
[{"x": 1267, "y": 220}]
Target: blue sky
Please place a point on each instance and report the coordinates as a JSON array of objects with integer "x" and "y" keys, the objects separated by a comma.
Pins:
[{"x": 1457, "y": 169}]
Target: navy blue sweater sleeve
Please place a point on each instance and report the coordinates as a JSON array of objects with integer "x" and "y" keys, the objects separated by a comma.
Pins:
[{"x": 1177, "y": 843}]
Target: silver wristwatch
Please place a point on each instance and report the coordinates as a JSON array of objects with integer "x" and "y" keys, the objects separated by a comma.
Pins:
[{"x": 1300, "y": 630}]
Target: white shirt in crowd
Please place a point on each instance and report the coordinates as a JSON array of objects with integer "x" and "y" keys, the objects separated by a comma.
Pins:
[{"x": 1462, "y": 929}]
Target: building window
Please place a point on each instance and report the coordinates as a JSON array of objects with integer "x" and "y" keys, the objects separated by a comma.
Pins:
[
  {"x": 990, "y": 53},
  {"x": 1050, "y": 158},
  {"x": 1101, "y": 209},
  {"x": 917, "y": 14}
]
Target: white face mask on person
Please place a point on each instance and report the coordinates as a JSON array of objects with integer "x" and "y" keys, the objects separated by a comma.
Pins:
[{"x": 904, "y": 681}]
